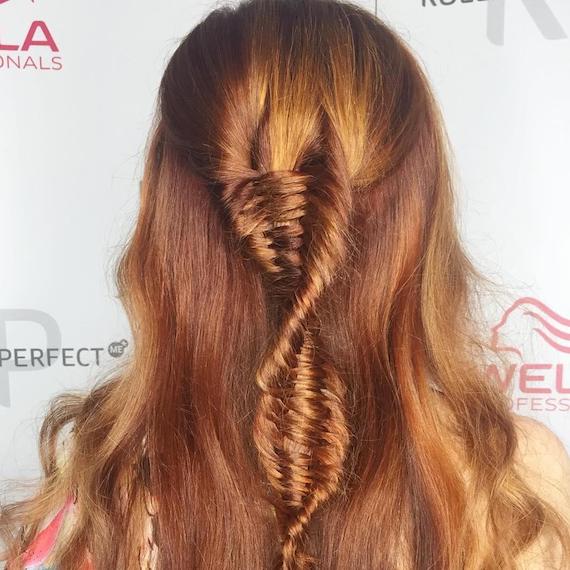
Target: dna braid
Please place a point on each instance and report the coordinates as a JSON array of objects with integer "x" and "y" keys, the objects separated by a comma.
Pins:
[
  {"x": 266, "y": 212},
  {"x": 294, "y": 224}
]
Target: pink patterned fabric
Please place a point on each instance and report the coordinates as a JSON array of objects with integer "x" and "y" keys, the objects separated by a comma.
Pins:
[{"x": 40, "y": 554}]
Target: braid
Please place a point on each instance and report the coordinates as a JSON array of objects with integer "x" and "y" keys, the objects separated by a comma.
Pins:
[
  {"x": 266, "y": 212},
  {"x": 294, "y": 224}
]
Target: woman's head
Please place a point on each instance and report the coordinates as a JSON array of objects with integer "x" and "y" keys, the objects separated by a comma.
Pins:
[
  {"x": 295, "y": 179},
  {"x": 296, "y": 289}
]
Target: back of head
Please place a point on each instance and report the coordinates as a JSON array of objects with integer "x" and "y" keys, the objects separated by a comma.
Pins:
[{"x": 305, "y": 343}]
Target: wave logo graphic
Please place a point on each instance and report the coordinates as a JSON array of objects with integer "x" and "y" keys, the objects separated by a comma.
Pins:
[
  {"x": 549, "y": 325},
  {"x": 4, "y": 1},
  {"x": 540, "y": 377}
]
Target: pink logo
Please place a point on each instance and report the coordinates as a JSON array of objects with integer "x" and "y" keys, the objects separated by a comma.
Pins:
[
  {"x": 541, "y": 383},
  {"x": 38, "y": 36},
  {"x": 550, "y": 326},
  {"x": 36, "y": 50}
]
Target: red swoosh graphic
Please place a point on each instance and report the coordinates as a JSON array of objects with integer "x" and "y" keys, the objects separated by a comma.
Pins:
[
  {"x": 553, "y": 343},
  {"x": 556, "y": 332}
]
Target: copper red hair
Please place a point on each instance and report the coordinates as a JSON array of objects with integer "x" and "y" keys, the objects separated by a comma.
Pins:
[{"x": 307, "y": 384}]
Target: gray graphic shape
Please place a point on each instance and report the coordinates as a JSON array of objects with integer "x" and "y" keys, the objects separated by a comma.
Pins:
[
  {"x": 53, "y": 339},
  {"x": 538, "y": 10}
]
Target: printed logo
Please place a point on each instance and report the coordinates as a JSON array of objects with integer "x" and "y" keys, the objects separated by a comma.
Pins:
[
  {"x": 539, "y": 11},
  {"x": 117, "y": 349},
  {"x": 34, "y": 49},
  {"x": 539, "y": 383},
  {"x": 18, "y": 358}
]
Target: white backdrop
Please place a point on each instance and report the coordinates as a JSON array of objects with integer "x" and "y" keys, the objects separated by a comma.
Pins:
[{"x": 78, "y": 81}]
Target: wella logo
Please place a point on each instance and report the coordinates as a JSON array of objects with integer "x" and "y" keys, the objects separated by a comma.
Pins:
[
  {"x": 30, "y": 51},
  {"x": 543, "y": 383}
]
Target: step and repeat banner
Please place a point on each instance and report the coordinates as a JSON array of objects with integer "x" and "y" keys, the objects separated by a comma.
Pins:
[{"x": 78, "y": 82}]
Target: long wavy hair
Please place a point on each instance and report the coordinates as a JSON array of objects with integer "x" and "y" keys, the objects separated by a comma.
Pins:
[{"x": 307, "y": 387}]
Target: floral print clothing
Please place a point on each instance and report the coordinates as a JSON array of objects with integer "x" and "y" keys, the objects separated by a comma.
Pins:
[{"x": 40, "y": 553}]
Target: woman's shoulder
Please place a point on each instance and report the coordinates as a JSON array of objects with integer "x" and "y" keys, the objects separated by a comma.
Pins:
[
  {"x": 544, "y": 464},
  {"x": 545, "y": 459}
]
